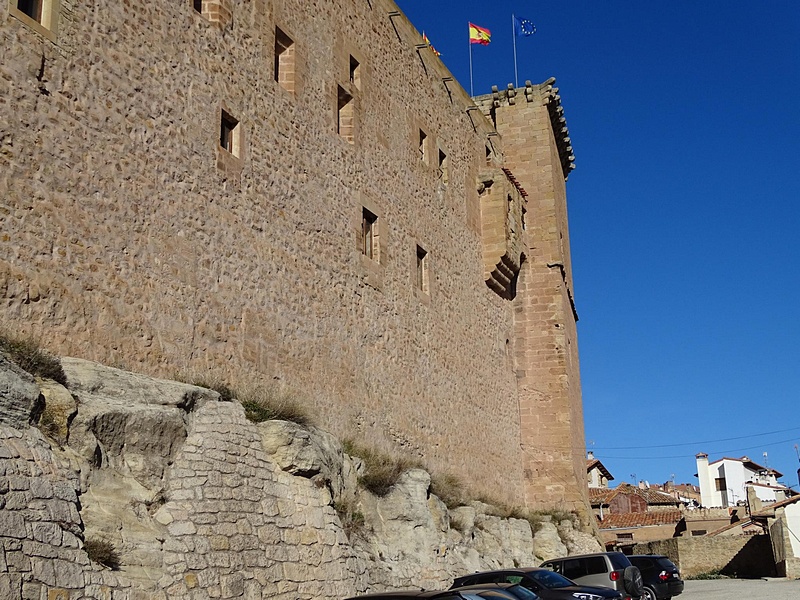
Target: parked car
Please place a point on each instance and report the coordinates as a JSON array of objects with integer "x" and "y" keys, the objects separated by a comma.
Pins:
[
  {"x": 547, "y": 584},
  {"x": 488, "y": 591},
  {"x": 661, "y": 577},
  {"x": 608, "y": 569}
]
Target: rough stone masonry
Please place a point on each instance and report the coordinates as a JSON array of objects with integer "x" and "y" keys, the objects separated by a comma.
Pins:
[{"x": 298, "y": 192}]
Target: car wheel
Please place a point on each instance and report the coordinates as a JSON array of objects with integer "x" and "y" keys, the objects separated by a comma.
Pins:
[
  {"x": 632, "y": 578},
  {"x": 648, "y": 594}
]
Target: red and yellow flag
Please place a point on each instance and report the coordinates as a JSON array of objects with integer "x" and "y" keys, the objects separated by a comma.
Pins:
[{"x": 479, "y": 35}]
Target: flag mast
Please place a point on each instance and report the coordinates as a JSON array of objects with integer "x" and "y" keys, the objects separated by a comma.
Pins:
[
  {"x": 514, "y": 37},
  {"x": 469, "y": 41}
]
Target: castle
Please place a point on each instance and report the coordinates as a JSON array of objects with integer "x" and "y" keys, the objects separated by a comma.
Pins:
[{"x": 277, "y": 191}]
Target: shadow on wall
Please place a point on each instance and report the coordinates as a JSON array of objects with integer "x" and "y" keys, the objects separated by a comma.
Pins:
[{"x": 753, "y": 561}]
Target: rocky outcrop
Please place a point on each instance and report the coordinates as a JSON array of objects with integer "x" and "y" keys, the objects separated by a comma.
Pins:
[
  {"x": 199, "y": 502},
  {"x": 20, "y": 399}
]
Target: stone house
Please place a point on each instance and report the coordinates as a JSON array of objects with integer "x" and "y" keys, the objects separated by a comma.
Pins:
[
  {"x": 596, "y": 473},
  {"x": 629, "y": 514},
  {"x": 299, "y": 195}
]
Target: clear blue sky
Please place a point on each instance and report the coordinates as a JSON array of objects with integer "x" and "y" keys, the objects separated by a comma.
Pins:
[{"x": 684, "y": 214}]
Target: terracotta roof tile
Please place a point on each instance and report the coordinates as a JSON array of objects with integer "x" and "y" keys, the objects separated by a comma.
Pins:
[{"x": 661, "y": 517}]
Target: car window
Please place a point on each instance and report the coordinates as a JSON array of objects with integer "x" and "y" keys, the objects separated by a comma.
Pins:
[
  {"x": 512, "y": 578},
  {"x": 666, "y": 563},
  {"x": 595, "y": 565},
  {"x": 573, "y": 568},
  {"x": 643, "y": 563},
  {"x": 619, "y": 561}
]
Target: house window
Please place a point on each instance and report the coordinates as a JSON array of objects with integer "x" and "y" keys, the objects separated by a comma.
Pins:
[
  {"x": 720, "y": 484},
  {"x": 345, "y": 116},
  {"x": 39, "y": 15},
  {"x": 423, "y": 146},
  {"x": 443, "y": 167},
  {"x": 422, "y": 270},
  {"x": 229, "y": 134},
  {"x": 624, "y": 536},
  {"x": 369, "y": 234},
  {"x": 284, "y": 60},
  {"x": 355, "y": 73},
  {"x": 32, "y": 8},
  {"x": 198, "y": 6}
]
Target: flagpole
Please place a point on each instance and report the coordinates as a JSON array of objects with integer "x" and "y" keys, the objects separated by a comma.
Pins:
[
  {"x": 469, "y": 41},
  {"x": 514, "y": 37}
]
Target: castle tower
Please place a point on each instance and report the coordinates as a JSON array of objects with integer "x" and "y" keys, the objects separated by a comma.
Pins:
[{"x": 536, "y": 149}]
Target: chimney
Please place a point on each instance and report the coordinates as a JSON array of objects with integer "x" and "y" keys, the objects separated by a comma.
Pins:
[
  {"x": 704, "y": 477},
  {"x": 590, "y": 455}
]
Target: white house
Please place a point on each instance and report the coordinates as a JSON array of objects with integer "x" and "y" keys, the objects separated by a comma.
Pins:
[{"x": 724, "y": 482}]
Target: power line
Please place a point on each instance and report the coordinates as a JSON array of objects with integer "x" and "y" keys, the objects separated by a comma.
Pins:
[
  {"x": 688, "y": 455},
  {"x": 741, "y": 437}
]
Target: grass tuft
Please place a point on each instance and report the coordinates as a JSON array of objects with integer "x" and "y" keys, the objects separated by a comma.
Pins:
[
  {"x": 352, "y": 520},
  {"x": 381, "y": 471},
  {"x": 102, "y": 553},
  {"x": 269, "y": 403},
  {"x": 448, "y": 489},
  {"x": 31, "y": 358}
]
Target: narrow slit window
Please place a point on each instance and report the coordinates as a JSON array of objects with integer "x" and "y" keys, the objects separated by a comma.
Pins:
[
  {"x": 369, "y": 234},
  {"x": 355, "y": 73},
  {"x": 229, "y": 133},
  {"x": 32, "y": 8},
  {"x": 443, "y": 167},
  {"x": 422, "y": 269},
  {"x": 198, "y": 6},
  {"x": 423, "y": 146},
  {"x": 524, "y": 220},
  {"x": 488, "y": 154},
  {"x": 345, "y": 116},
  {"x": 284, "y": 60}
]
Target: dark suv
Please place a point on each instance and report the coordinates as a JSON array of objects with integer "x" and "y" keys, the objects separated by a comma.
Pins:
[
  {"x": 609, "y": 569},
  {"x": 661, "y": 578}
]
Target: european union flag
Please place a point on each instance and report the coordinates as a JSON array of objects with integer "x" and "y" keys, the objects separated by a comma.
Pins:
[{"x": 524, "y": 26}]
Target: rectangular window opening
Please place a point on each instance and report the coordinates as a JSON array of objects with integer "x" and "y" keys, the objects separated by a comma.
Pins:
[
  {"x": 443, "y": 167},
  {"x": 32, "y": 8},
  {"x": 198, "y": 6},
  {"x": 229, "y": 133},
  {"x": 423, "y": 146},
  {"x": 488, "y": 154},
  {"x": 524, "y": 215},
  {"x": 355, "y": 73},
  {"x": 345, "y": 116},
  {"x": 369, "y": 234},
  {"x": 422, "y": 270},
  {"x": 720, "y": 484},
  {"x": 284, "y": 60}
]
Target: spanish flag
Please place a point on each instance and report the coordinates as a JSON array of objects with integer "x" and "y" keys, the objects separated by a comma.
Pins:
[{"x": 479, "y": 35}]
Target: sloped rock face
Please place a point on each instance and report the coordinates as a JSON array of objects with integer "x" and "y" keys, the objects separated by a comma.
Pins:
[
  {"x": 201, "y": 503},
  {"x": 19, "y": 396}
]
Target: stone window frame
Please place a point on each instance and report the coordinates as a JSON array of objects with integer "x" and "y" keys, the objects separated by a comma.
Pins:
[
  {"x": 47, "y": 25},
  {"x": 285, "y": 60},
  {"x": 423, "y": 145},
  {"x": 373, "y": 268},
  {"x": 442, "y": 165},
  {"x": 421, "y": 271},
  {"x": 230, "y": 161},
  {"x": 215, "y": 12},
  {"x": 345, "y": 115}
]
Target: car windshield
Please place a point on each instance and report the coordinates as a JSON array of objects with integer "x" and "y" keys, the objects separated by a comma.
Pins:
[{"x": 550, "y": 579}]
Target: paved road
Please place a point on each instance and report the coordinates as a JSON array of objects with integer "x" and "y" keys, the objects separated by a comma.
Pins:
[{"x": 744, "y": 589}]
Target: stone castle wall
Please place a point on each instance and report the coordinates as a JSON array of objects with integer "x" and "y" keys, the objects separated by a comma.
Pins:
[{"x": 129, "y": 235}]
